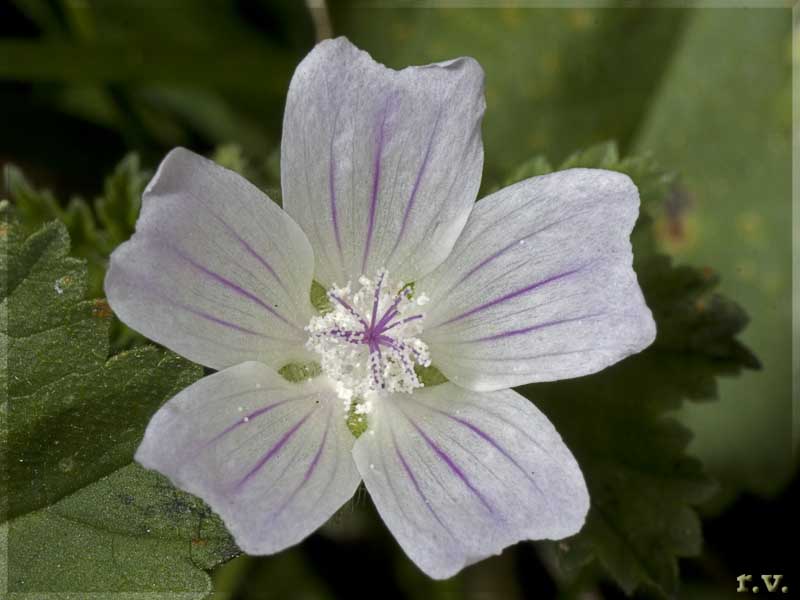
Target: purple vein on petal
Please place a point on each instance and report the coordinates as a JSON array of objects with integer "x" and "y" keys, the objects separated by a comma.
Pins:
[
  {"x": 332, "y": 184},
  {"x": 312, "y": 467},
  {"x": 376, "y": 181},
  {"x": 491, "y": 441},
  {"x": 309, "y": 471},
  {"x": 202, "y": 314},
  {"x": 245, "y": 419},
  {"x": 448, "y": 460},
  {"x": 514, "y": 244},
  {"x": 508, "y": 422},
  {"x": 231, "y": 285},
  {"x": 272, "y": 452},
  {"x": 524, "y": 330},
  {"x": 218, "y": 321},
  {"x": 417, "y": 486},
  {"x": 512, "y": 295},
  {"x": 246, "y": 245},
  {"x": 413, "y": 197}
]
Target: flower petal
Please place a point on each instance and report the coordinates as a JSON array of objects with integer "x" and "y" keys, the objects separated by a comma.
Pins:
[
  {"x": 380, "y": 167},
  {"x": 458, "y": 475},
  {"x": 272, "y": 458},
  {"x": 215, "y": 271},
  {"x": 540, "y": 286}
]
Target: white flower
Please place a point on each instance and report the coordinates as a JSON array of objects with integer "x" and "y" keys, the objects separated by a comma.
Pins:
[{"x": 380, "y": 170}]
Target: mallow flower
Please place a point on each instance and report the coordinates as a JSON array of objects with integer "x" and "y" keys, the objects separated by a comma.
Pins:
[{"x": 379, "y": 172}]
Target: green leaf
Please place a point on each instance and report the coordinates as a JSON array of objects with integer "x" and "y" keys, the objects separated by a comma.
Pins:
[
  {"x": 128, "y": 532},
  {"x": 95, "y": 229},
  {"x": 118, "y": 207},
  {"x": 78, "y": 515},
  {"x": 642, "y": 483}
]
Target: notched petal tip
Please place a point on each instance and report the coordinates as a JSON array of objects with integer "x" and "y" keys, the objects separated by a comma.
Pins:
[
  {"x": 331, "y": 47},
  {"x": 466, "y": 66}
]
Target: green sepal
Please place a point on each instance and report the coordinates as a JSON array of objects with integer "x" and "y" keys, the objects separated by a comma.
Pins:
[
  {"x": 299, "y": 372},
  {"x": 430, "y": 376},
  {"x": 319, "y": 298},
  {"x": 356, "y": 423}
]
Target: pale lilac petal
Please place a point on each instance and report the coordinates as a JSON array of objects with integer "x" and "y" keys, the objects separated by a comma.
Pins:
[
  {"x": 272, "y": 458},
  {"x": 215, "y": 271},
  {"x": 380, "y": 167},
  {"x": 458, "y": 475},
  {"x": 540, "y": 285}
]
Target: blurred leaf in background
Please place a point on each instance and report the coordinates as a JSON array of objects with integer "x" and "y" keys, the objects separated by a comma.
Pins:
[
  {"x": 723, "y": 119},
  {"x": 146, "y": 76}
]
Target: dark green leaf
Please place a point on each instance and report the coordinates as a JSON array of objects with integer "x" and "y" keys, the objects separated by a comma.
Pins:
[
  {"x": 80, "y": 516},
  {"x": 128, "y": 532},
  {"x": 95, "y": 230}
]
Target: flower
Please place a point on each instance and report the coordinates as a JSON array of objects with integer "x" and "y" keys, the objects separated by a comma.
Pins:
[{"x": 379, "y": 171}]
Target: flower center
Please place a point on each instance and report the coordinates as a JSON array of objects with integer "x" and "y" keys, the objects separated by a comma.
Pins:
[{"x": 369, "y": 341}]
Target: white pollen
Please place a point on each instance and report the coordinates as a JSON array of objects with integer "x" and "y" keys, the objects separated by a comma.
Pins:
[
  {"x": 369, "y": 341},
  {"x": 347, "y": 404},
  {"x": 344, "y": 393},
  {"x": 364, "y": 408}
]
